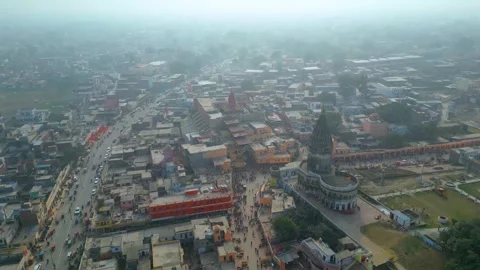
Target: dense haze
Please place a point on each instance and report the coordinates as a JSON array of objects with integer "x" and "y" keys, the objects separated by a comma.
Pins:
[{"x": 239, "y": 10}]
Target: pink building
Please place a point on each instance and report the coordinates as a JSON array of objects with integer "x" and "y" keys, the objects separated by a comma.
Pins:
[
  {"x": 375, "y": 126},
  {"x": 127, "y": 202}
]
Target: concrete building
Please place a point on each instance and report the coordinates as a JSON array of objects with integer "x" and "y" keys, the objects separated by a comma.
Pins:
[
  {"x": 190, "y": 204},
  {"x": 203, "y": 158},
  {"x": 320, "y": 256},
  {"x": 375, "y": 126},
  {"x": 168, "y": 255},
  {"x": 274, "y": 151},
  {"x": 32, "y": 116}
]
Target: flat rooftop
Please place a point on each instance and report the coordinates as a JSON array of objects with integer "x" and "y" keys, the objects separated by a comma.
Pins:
[
  {"x": 184, "y": 198},
  {"x": 200, "y": 148},
  {"x": 167, "y": 255}
]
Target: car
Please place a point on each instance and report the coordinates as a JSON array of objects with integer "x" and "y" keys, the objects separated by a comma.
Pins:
[
  {"x": 77, "y": 211},
  {"x": 450, "y": 184},
  {"x": 96, "y": 182},
  {"x": 94, "y": 191},
  {"x": 37, "y": 266},
  {"x": 108, "y": 148}
]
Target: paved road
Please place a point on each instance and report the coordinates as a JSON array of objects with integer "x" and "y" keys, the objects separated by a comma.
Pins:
[{"x": 67, "y": 227}]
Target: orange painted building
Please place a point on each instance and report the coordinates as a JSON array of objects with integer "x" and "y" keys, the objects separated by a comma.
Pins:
[
  {"x": 274, "y": 151},
  {"x": 189, "y": 204}
]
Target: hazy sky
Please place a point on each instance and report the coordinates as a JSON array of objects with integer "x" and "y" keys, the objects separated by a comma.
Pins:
[{"x": 229, "y": 8}]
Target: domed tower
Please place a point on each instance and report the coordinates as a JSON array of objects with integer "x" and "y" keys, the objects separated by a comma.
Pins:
[{"x": 319, "y": 158}]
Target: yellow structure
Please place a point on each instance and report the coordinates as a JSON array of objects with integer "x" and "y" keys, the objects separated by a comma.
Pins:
[{"x": 101, "y": 221}]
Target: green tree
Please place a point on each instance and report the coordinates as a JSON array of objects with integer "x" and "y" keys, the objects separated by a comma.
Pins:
[
  {"x": 257, "y": 60},
  {"x": 419, "y": 132},
  {"x": 247, "y": 85},
  {"x": 362, "y": 83},
  {"x": 461, "y": 244},
  {"x": 394, "y": 141},
  {"x": 285, "y": 228},
  {"x": 396, "y": 113},
  {"x": 177, "y": 67},
  {"x": 346, "y": 85},
  {"x": 276, "y": 56},
  {"x": 334, "y": 120},
  {"x": 328, "y": 97},
  {"x": 56, "y": 117}
]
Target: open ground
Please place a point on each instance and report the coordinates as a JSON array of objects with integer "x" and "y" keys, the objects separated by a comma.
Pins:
[
  {"x": 52, "y": 99},
  {"x": 409, "y": 251},
  {"x": 453, "y": 205},
  {"x": 472, "y": 189},
  {"x": 399, "y": 179}
]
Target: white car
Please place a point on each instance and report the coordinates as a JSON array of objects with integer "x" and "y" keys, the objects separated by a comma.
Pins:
[
  {"x": 37, "y": 266},
  {"x": 108, "y": 148},
  {"x": 94, "y": 191},
  {"x": 96, "y": 181},
  {"x": 77, "y": 211}
]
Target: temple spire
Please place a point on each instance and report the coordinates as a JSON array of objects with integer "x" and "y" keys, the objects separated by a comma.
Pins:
[
  {"x": 232, "y": 102},
  {"x": 321, "y": 139}
]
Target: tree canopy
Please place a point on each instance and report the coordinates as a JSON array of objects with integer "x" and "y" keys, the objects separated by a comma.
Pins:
[
  {"x": 311, "y": 223},
  {"x": 393, "y": 141},
  {"x": 285, "y": 229},
  {"x": 334, "y": 120},
  {"x": 247, "y": 85},
  {"x": 395, "y": 113},
  {"x": 328, "y": 97},
  {"x": 419, "y": 132},
  {"x": 348, "y": 82},
  {"x": 461, "y": 244},
  {"x": 346, "y": 85}
]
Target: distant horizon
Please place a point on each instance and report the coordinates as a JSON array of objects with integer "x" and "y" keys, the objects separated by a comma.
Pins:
[{"x": 228, "y": 10}]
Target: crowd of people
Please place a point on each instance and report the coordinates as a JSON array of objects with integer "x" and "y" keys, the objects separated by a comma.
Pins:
[{"x": 246, "y": 224}]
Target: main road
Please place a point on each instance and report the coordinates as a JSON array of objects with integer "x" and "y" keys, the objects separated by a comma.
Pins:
[{"x": 67, "y": 227}]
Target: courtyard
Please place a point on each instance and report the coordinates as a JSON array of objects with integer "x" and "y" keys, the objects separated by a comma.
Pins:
[
  {"x": 404, "y": 248},
  {"x": 452, "y": 205},
  {"x": 472, "y": 189}
]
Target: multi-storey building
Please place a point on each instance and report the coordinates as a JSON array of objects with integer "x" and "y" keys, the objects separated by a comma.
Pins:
[
  {"x": 375, "y": 126},
  {"x": 205, "y": 159},
  {"x": 190, "y": 204},
  {"x": 274, "y": 151}
]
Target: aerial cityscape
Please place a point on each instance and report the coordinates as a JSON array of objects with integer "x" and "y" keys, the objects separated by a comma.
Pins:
[{"x": 286, "y": 135}]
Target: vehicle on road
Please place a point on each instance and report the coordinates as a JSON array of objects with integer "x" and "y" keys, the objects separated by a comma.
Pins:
[
  {"x": 450, "y": 184},
  {"x": 37, "y": 266},
  {"x": 77, "y": 211},
  {"x": 94, "y": 191}
]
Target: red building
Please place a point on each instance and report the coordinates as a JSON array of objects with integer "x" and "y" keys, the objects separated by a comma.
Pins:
[{"x": 189, "y": 204}]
